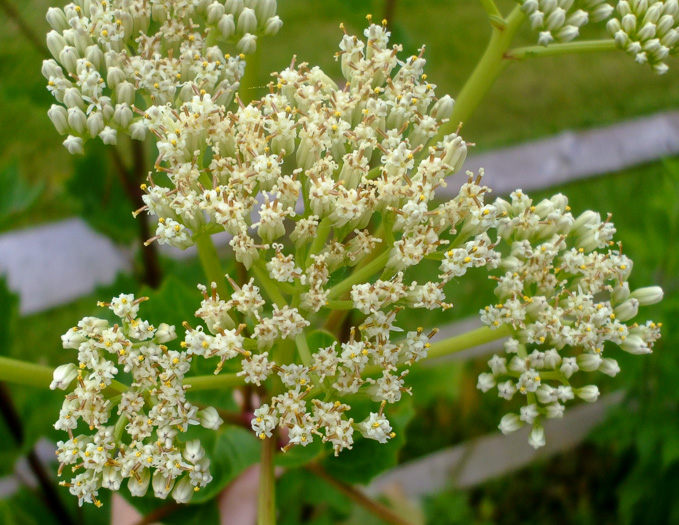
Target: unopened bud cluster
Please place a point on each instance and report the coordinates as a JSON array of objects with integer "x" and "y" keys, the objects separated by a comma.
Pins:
[
  {"x": 565, "y": 295},
  {"x": 112, "y": 57},
  {"x": 561, "y": 20},
  {"x": 142, "y": 446},
  {"x": 648, "y": 31}
]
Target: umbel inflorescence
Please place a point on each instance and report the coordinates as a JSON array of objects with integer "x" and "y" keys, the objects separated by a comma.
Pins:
[
  {"x": 111, "y": 57},
  {"x": 329, "y": 196}
]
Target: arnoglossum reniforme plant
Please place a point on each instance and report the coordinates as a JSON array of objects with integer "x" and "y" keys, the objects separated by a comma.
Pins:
[{"x": 328, "y": 192}]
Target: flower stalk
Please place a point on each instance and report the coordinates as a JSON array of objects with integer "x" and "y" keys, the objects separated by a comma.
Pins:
[{"x": 266, "y": 503}]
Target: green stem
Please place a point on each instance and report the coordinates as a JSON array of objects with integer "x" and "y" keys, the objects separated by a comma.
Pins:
[
  {"x": 458, "y": 343},
  {"x": 586, "y": 46},
  {"x": 248, "y": 84},
  {"x": 487, "y": 70},
  {"x": 494, "y": 15},
  {"x": 317, "y": 244},
  {"x": 210, "y": 382},
  {"x": 266, "y": 505},
  {"x": 23, "y": 373},
  {"x": 303, "y": 349},
  {"x": 269, "y": 285},
  {"x": 207, "y": 254},
  {"x": 359, "y": 275}
]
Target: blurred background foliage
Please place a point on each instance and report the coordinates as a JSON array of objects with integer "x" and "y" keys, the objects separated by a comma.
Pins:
[{"x": 627, "y": 471}]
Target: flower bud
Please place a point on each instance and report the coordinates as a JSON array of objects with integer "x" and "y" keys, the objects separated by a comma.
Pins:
[
  {"x": 55, "y": 43},
  {"x": 139, "y": 488},
  {"x": 233, "y": 6},
  {"x": 214, "y": 13},
  {"x": 584, "y": 221},
  {"x": 109, "y": 136},
  {"x": 588, "y": 362},
  {"x": 265, "y": 9},
  {"x": 629, "y": 24},
  {"x": 510, "y": 423},
  {"x": 567, "y": 33},
  {"x": 665, "y": 23},
  {"x": 546, "y": 394},
  {"x": 193, "y": 451},
  {"x": 555, "y": 410},
  {"x": 122, "y": 116},
  {"x": 95, "y": 123},
  {"x": 247, "y": 21},
  {"x": 158, "y": 12},
  {"x": 648, "y": 295},
  {"x": 162, "y": 484},
  {"x": 77, "y": 120},
  {"x": 609, "y": 366},
  {"x": 69, "y": 59},
  {"x": 627, "y": 310},
  {"x": 600, "y": 12},
  {"x": 589, "y": 393},
  {"x": 552, "y": 359},
  {"x": 183, "y": 492},
  {"x": 485, "y": 382},
  {"x": 569, "y": 366},
  {"x": 57, "y": 19},
  {"x": 456, "y": 152},
  {"x": 443, "y": 108},
  {"x": 620, "y": 293},
  {"x": 556, "y": 19},
  {"x": 537, "y": 437},
  {"x": 63, "y": 376},
  {"x": 545, "y": 38},
  {"x": 138, "y": 130},
  {"x": 646, "y": 32},
  {"x": 247, "y": 44},
  {"x": 111, "y": 478},
  {"x": 530, "y": 6},
  {"x": 227, "y": 26},
  {"x": 125, "y": 93},
  {"x": 273, "y": 25},
  {"x": 59, "y": 118},
  {"x": 635, "y": 345},
  {"x": 73, "y": 99},
  {"x": 50, "y": 68},
  {"x": 577, "y": 19},
  {"x": 95, "y": 55},
  {"x": 165, "y": 333},
  {"x": 209, "y": 418}
]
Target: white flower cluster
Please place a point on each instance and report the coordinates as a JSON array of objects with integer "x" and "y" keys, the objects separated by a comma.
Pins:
[
  {"x": 143, "y": 444},
  {"x": 648, "y": 31},
  {"x": 320, "y": 162},
  {"x": 113, "y": 56},
  {"x": 561, "y": 20},
  {"x": 310, "y": 156},
  {"x": 565, "y": 296}
]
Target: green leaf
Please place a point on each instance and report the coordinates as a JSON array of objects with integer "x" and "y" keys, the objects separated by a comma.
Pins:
[
  {"x": 368, "y": 458},
  {"x": 101, "y": 199},
  {"x": 16, "y": 196},
  {"x": 234, "y": 450}
]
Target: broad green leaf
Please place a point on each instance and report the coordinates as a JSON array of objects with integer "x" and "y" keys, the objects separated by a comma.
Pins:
[
  {"x": 234, "y": 450},
  {"x": 368, "y": 458}
]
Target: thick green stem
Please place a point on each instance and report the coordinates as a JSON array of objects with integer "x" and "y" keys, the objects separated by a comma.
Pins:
[
  {"x": 458, "y": 343},
  {"x": 487, "y": 70},
  {"x": 266, "y": 506},
  {"x": 319, "y": 241},
  {"x": 248, "y": 83},
  {"x": 23, "y": 373},
  {"x": 303, "y": 349},
  {"x": 212, "y": 268},
  {"x": 586, "y": 46},
  {"x": 492, "y": 11},
  {"x": 217, "y": 381},
  {"x": 359, "y": 276}
]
